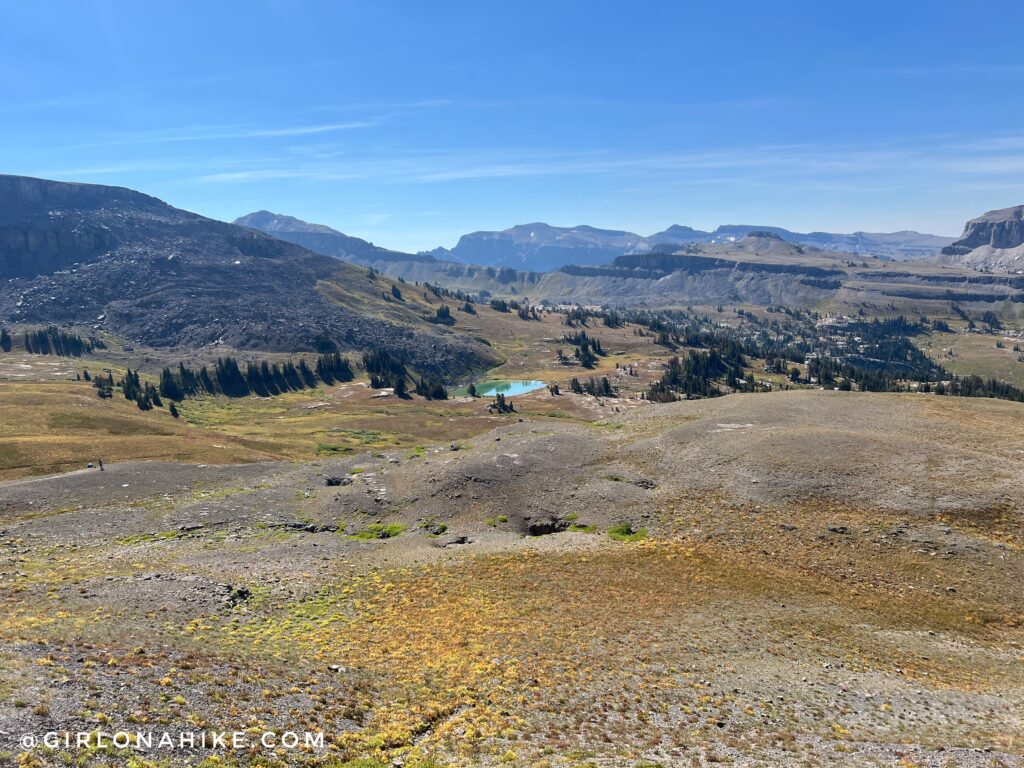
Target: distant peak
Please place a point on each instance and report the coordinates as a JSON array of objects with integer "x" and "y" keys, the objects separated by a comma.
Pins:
[{"x": 267, "y": 221}]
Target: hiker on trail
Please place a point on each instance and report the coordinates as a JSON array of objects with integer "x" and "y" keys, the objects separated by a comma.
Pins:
[{"x": 101, "y": 465}]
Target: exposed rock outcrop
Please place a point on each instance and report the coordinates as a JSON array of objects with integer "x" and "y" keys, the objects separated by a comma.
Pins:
[{"x": 993, "y": 242}]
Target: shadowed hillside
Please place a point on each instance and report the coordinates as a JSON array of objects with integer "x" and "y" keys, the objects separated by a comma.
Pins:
[{"x": 115, "y": 260}]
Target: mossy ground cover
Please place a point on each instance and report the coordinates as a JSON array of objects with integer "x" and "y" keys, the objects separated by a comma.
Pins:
[{"x": 619, "y": 652}]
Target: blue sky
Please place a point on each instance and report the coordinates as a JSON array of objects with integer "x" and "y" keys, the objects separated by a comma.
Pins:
[{"x": 411, "y": 123}]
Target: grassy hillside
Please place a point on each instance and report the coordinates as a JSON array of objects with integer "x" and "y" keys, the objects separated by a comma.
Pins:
[{"x": 60, "y": 426}]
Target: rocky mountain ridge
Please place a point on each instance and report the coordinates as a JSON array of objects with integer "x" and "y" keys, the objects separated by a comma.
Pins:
[
  {"x": 321, "y": 239},
  {"x": 760, "y": 268},
  {"x": 540, "y": 247},
  {"x": 113, "y": 260}
]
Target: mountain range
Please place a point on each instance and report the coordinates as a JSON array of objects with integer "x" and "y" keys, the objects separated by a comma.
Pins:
[
  {"x": 540, "y": 247},
  {"x": 114, "y": 260},
  {"x": 732, "y": 264}
]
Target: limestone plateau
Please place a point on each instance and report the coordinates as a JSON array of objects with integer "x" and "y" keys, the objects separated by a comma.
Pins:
[{"x": 993, "y": 242}]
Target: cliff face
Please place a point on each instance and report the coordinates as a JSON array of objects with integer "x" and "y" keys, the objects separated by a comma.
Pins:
[
  {"x": 46, "y": 225},
  {"x": 993, "y": 242},
  {"x": 30, "y": 251}
]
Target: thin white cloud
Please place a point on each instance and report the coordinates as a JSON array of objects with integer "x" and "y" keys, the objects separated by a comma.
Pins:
[
  {"x": 923, "y": 168},
  {"x": 223, "y": 133},
  {"x": 441, "y": 166}
]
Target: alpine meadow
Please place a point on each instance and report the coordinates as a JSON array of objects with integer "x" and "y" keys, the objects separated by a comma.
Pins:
[{"x": 331, "y": 438}]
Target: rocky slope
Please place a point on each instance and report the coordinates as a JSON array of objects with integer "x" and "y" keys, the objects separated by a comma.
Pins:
[
  {"x": 993, "y": 242},
  {"x": 112, "y": 259}
]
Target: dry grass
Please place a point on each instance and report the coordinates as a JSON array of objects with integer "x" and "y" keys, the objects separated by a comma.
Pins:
[
  {"x": 59, "y": 426},
  {"x": 52, "y": 423},
  {"x": 975, "y": 353}
]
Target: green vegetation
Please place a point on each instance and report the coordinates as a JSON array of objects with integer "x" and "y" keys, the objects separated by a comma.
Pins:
[
  {"x": 588, "y": 349},
  {"x": 387, "y": 369},
  {"x": 333, "y": 449},
  {"x": 626, "y": 532},
  {"x": 443, "y": 316},
  {"x": 379, "y": 531},
  {"x": 501, "y": 405},
  {"x": 593, "y": 386},
  {"x": 259, "y": 378},
  {"x": 144, "y": 538},
  {"x": 695, "y": 376},
  {"x": 53, "y": 341}
]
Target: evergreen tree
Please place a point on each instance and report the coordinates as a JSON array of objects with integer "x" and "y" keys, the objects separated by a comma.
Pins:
[
  {"x": 131, "y": 387},
  {"x": 229, "y": 377},
  {"x": 306, "y": 374},
  {"x": 443, "y": 316},
  {"x": 385, "y": 368},
  {"x": 431, "y": 388},
  {"x": 291, "y": 377},
  {"x": 255, "y": 379},
  {"x": 53, "y": 341},
  {"x": 277, "y": 372},
  {"x": 332, "y": 368},
  {"x": 170, "y": 386},
  {"x": 501, "y": 405},
  {"x": 206, "y": 382}
]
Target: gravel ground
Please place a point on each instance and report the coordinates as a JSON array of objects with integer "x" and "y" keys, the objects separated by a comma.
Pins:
[{"x": 826, "y": 579}]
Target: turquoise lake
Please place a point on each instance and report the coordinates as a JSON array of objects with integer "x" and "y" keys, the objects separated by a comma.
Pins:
[{"x": 507, "y": 387}]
